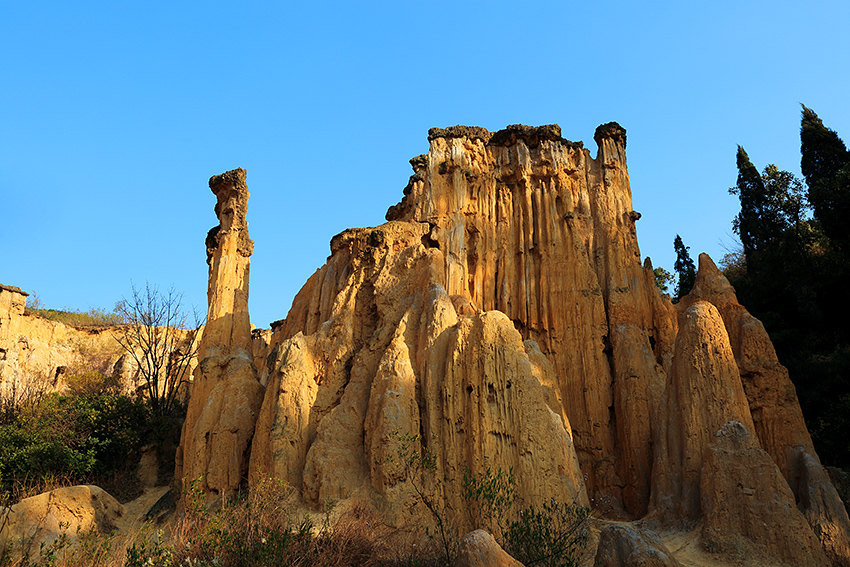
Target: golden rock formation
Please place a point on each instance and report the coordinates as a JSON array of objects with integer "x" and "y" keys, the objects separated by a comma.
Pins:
[
  {"x": 501, "y": 319},
  {"x": 226, "y": 392}
]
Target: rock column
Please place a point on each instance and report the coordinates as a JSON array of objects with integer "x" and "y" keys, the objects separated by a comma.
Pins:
[{"x": 226, "y": 394}]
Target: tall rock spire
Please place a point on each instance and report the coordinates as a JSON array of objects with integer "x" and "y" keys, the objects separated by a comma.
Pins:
[{"x": 226, "y": 392}]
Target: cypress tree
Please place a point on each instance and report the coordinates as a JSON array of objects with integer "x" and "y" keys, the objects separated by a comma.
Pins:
[
  {"x": 684, "y": 267},
  {"x": 825, "y": 163},
  {"x": 771, "y": 203},
  {"x": 823, "y": 152},
  {"x": 751, "y": 191}
]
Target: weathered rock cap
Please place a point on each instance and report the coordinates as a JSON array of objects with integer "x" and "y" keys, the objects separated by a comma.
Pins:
[
  {"x": 13, "y": 289},
  {"x": 531, "y": 135},
  {"x": 232, "y": 177},
  {"x": 610, "y": 130},
  {"x": 231, "y": 190},
  {"x": 459, "y": 131}
]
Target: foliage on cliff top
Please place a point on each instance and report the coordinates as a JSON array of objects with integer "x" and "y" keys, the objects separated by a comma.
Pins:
[{"x": 95, "y": 317}]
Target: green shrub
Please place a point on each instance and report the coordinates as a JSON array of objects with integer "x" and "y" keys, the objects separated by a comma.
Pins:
[
  {"x": 93, "y": 382},
  {"x": 553, "y": 535},
  {"x": 490, "y": 498},
  {"x": 78, "y": 437}
]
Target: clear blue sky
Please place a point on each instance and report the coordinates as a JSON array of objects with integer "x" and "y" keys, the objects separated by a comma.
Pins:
[{"x": 115, "y": 114}]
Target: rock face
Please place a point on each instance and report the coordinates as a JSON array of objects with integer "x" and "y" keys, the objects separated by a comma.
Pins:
[
  {"x": 375, "y": 355},
  {"x": 501, "y": 319},
  {"x": 38, "y": 355},
  {"x": 226, "y": 392},
  {"x": 529, "y": 224},
  {"x": 41, "y": 519}
]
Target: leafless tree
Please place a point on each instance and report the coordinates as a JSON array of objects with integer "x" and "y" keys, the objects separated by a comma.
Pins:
[{"x": 159, "y": 337}]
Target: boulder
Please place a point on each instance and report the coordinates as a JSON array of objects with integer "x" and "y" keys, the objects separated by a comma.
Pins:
[
  {"x": 71, "y": 511},
  {"x": 624, "y": 546},
  {"x": 479, "y": 549}
]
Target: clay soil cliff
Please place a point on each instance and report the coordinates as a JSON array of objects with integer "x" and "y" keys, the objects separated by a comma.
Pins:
[{"x": 502, "y": 319}]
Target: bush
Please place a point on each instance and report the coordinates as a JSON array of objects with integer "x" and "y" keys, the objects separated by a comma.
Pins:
[
  {"x": 553, "y": 535},
  {"x": 93, "y": 382},
  {"x": 79, "y": 437},
  {"x": 91, "y": 318},
  {"x": 490, "y": 498}
]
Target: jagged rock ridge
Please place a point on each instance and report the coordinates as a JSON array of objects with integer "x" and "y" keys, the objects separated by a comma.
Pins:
[{"x": 501, "y": 318}]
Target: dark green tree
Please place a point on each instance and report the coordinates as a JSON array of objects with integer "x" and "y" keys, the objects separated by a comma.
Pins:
[
  {"x": 771, "y": 203},
  {"x": 825, "y": 163},
  {"x": 750, "y": 190},
  {"x": 684, "y": 267}
]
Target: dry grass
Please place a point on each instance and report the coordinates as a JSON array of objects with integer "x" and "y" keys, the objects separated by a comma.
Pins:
[{"x": 258, "y": 529}]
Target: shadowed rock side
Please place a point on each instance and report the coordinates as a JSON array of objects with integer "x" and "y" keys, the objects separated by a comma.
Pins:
[
  {"x": 226, "y": 393},
  {"x": 502, "y": 319}
]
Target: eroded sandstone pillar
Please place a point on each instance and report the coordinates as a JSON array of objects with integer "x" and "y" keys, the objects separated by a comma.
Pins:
[{"x": 226, "y": 394}]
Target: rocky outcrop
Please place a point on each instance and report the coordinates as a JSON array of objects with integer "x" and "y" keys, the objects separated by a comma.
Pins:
[
  {"x": 704, "y": 392},
  {"x": 624, "y": 546},
  {"x": 778, "y": 420},
  {"x": 502, "y": 320},
  {"x": 13, "y": 301},
  {"x": 38, "y": 355},
  {"x": 74, "y": 511},
  {"x": 226, "y": 394},
  {"x": 380, "y": 359},
  {"x": 479, "y": 549},
  {"x": 529, "y": 224},
  {"x": 748, "y": 507}
]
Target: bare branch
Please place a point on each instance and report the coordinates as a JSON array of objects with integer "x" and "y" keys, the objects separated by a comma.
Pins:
[{"x": 156, "y": 337}]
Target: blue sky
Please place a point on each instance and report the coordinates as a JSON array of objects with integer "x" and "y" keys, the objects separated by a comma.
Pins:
[{"x": 114, "y": 115}]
